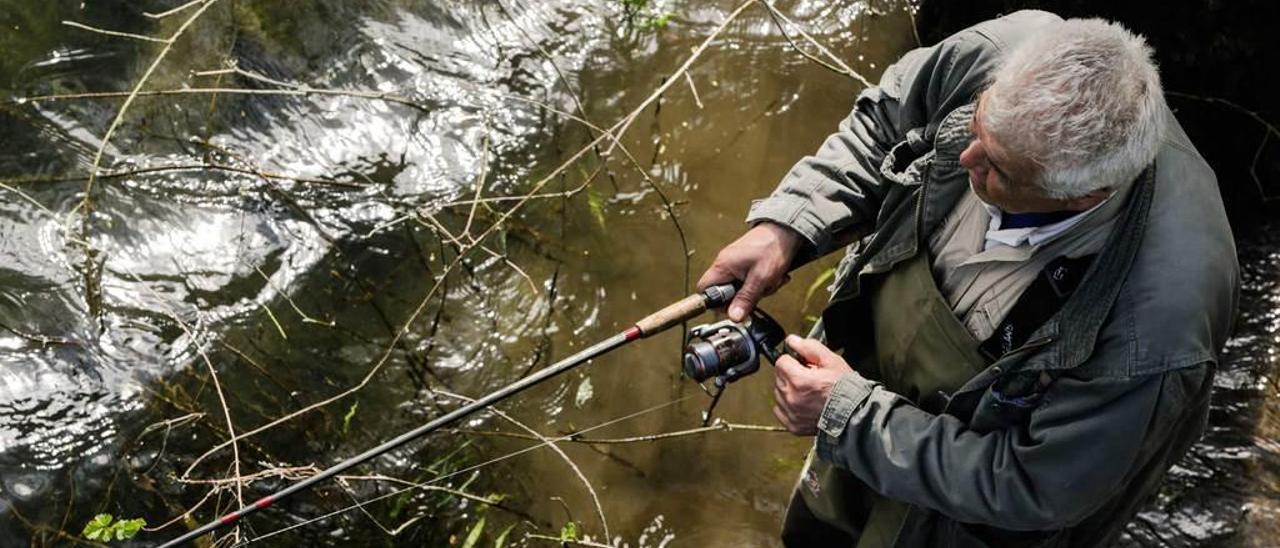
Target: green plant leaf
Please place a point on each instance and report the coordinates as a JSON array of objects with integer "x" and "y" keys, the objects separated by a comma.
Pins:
[
  {"x": 569, "y": 531},
  {"x": 502, "y": 538},
  {"x": 474, "y": 536},
  {"x": 98, "y": 528},
  {"x": 818, "y": 282},
  {"x": 346, "y": 419},
  {"x": 596, "y": 202},
  {"x": 126, "y": 529},
  {"x": 104, "y": 528}
]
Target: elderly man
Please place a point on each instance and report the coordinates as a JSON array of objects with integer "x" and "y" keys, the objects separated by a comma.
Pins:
[{"x": 1040, "y": 280}]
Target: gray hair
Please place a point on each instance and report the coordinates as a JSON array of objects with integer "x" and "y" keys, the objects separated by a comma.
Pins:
[{"x": 1081, "y": 100}]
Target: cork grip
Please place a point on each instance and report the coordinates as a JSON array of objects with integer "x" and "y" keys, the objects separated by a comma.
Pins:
[{"x": 677, "y": 312}]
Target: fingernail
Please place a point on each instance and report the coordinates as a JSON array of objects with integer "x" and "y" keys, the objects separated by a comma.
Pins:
[
  {"x": 736, "y": 313},
  {"x": 793, "y": 338}
]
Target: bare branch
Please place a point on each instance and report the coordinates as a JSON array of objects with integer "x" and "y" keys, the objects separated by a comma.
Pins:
[
  {"x": 604, "y": 524},
  {"x": 117, "y": 34},
  {"x": 176, "y": 168},
  {"x": 178, "y": 9},
  {"x": 838, "y": 67},
  {"x": 296, "y": 92}
]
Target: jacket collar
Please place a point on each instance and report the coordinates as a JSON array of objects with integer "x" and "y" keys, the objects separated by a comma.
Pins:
[{"x": 939, "y": 182}]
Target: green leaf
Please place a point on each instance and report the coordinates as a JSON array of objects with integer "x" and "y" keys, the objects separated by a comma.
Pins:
[
  {"x": 346, "y": 419},
  {"x": 596, "y": 202},
  {"x": 103, "y": 528},
  {"x": 126, "y": 529},
  {"x": 502, "y": 538},
  {"x": 474, "y": 536},
  {"x": 657, "y": 22},
  {"x": 569, "y": 531},
  {"x": 98, "y": 528},
  {"x": 818, "y": 282}
]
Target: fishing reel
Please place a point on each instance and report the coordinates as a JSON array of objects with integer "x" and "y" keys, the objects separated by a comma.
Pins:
[{"x": 728, "y": 351}]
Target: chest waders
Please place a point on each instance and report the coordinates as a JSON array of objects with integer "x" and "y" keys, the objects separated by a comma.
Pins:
[{"x": 920, "y": 350}]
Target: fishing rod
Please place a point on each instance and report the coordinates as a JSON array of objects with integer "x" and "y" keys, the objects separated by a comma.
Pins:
[{"x": 713, "y": 297}]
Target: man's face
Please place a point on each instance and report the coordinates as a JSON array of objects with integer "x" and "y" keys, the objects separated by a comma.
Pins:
[{"x": 1002, "y": 178}]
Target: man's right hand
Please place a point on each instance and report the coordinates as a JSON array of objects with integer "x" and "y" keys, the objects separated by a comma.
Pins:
[{"x": 760, "y": 260}]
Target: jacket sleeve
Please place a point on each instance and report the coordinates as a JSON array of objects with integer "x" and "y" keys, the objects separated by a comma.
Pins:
[
  {"x": 1082, "y": 440},
  {"x": 833, "y": 196}
]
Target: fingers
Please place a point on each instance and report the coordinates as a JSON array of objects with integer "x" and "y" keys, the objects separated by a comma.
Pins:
[
  {"x": 715, "y": 275},
  {"x": 810, "y": 350},
  {"x": 786, "y": 369},
  {"x": 761, "y": 282},
  {"x": 759, "y": 259},
  {"x": 746, "y": 298}
]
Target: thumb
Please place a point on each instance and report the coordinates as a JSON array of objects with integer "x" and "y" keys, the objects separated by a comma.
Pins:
[
  {"x": 746, "y": 298},
  {"x": 811, "y": 351}
]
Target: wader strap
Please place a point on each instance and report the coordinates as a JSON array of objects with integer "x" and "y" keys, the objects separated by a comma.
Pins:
[{"x": 1041, "y": 300}]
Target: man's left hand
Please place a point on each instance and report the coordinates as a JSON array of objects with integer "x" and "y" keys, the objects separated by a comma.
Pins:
[{"x": 801, "y": 389}]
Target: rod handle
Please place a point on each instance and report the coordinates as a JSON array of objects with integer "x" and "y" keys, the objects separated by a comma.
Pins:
[{"x": 684, "y": 309}]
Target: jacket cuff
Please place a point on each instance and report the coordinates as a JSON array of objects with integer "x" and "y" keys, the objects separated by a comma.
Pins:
[
  {"x": 847, "y": 396},
  {"x": 795, "y": 213}
]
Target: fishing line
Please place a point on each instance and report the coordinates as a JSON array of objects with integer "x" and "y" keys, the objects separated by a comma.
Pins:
[{"x": 466, "y": 470}]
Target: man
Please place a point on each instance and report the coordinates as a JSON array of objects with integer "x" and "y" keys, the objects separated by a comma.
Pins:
[{"x": 1022, "y": 339}]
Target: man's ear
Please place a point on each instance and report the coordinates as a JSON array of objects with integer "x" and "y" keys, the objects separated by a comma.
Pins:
[{"x": 1089, "y": 200}]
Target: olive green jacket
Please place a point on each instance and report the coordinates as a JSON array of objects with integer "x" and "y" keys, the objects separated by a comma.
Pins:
[{"x": 1060, "y": 441}]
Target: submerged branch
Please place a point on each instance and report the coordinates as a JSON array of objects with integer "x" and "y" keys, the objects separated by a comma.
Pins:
[
  {"x": 295, "y": 92},
  {"x": 176, "y": 168}
]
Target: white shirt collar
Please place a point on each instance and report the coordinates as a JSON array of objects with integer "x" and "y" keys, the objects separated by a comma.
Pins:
[{"x": 1032, "y": 235}]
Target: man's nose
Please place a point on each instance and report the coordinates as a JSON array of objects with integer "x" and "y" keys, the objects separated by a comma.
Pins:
[{"x": 972, "y": 157}]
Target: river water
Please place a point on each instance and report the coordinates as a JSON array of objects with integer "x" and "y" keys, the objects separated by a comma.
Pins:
[{"x": 302, "y": 244}]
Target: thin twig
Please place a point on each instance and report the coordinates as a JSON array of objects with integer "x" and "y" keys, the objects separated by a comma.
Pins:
[
  {"x": 484, "y": 165},
  {"x": 164, "y": 14},
  {"x": 28, "y": 198},
  {"x": 838, "y": 67},
  {"x": 305, "y": 317},
  {"x": 42, "y": 339},
  {"x": 604, "y": 524},
  {"x": 178, "y": 168},
  {"x": 463, "y": 247},
  {"x": 235, "y": 69},
  {"x": 185, "y": 515},
  {"x": 693, "y": 89},
  {"x": 118, "y": 34},
  {"x": 295, "y": 92},
  {"x": 488, "y": 501},
  {"x": 568, "y": 542},
  {"x": 222, "y": 399},
  {"x": 85, "y": 205},
  {"x": 1268, "y": 130}
]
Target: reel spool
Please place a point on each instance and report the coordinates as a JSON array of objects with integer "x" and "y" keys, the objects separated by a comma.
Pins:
[{"x": 728, "y": 351}]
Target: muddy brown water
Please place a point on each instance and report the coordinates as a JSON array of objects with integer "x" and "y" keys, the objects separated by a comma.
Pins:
[{"x": 294, "y": 291}]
